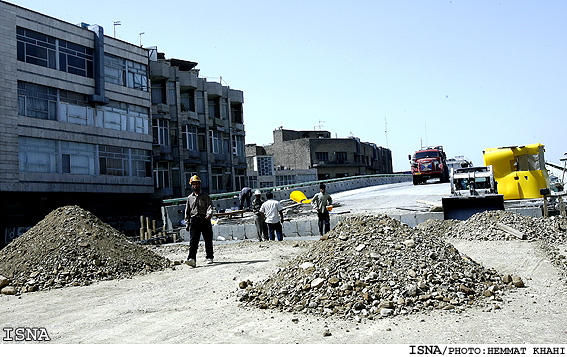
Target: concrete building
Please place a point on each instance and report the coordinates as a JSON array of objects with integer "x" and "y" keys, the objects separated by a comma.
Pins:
[
  {"x": 198, "y": 129},
  {"x": 262, "y": 172},
  {"x": 331, "y": 157},
  {"x": 75, "y": 124}
]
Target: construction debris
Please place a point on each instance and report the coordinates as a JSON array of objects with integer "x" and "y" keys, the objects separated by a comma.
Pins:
[
  {"x": 374, "y": 267},
  {"x": 72, "y": 247}
]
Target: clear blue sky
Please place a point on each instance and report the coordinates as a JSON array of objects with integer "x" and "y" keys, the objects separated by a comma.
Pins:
[{"x": 465, "y": 74}]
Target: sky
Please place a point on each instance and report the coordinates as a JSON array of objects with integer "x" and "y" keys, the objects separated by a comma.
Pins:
[{"x": 468, "y": 75}]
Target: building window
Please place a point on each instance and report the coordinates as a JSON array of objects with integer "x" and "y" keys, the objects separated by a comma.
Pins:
[
  {"x": 240, "y": 178},
  {"x": 161, "y": 132},
  {"x": 187, "y": 99},
  {"x": 282, "y": 180},
  {"x": 214, "y": 108},
  {"x": 113, "y": 160},
  {"x": 253, "y": 181},
  {"x": 141, "y": 163},
  {"x": 114, "y": 70},
  {"x": 264, "y": 165},
  {"x": 216, "y": 141},
  {"x": 43, "y": 50},
  {"x": 341, "y": 156},
  {"x": 158, "y": 92},
  {"x": 37, "y": 101},
  {"x": 322, "y": 156},
  {"x": 236, "y": 113},
  {"x": 190, "y": 137},
  {"x": 52, "y": 156},
  {"x": 161, "y": 174},
  {"x": 137, "y": 76},
  {"x": 216, "y": 178},
  {"x": 238, "y": 148}
]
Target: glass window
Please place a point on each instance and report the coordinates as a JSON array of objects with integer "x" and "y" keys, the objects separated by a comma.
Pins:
[
  {"x": 190, "y": 137},
  {"x": 322, "y": 156},
  {"x": 161, "y": 132},
  {"x": 37, "y": 101}
]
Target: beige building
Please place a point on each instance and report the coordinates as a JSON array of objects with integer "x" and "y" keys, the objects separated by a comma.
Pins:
[{"x": 330, "y": 157}]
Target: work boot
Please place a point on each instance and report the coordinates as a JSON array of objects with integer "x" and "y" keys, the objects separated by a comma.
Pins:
[
  {"x": 210, "y": 261},
  {"x": 191, "y": 263}
]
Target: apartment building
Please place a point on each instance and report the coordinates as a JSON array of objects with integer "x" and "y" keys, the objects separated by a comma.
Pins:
[
  {"x": 75, "y": 122},
  {"x": 331, "y": 157},
  {"x": 262, "y": 172},
  {"x": 198, "y": 129}
]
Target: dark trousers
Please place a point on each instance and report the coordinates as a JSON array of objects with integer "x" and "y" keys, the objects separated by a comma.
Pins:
[
  {"x": 200, "y": 225},
  {"x": 261, "y": 227},
  {"x": 275, "y": 227},
  {"x": 244, "y": 202},
  {"x": 324, "y": 222}
]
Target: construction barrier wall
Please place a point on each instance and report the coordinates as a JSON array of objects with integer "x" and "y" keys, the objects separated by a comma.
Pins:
[{"x": 173, "y": 211}]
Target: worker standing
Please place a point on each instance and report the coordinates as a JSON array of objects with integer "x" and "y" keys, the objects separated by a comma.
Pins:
[
  {"x": 270, "y": 211},
  {"x": 261, "y": 226},
  {"x": 198, "y": 214},
  {"x": 320, "y": 202}
]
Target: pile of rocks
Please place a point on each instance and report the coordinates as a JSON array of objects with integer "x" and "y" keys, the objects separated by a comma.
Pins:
[
  {"x": 550, "y": 232},
  {"x": 72, "y": 247},
  {"x": 374, "y": 266}
]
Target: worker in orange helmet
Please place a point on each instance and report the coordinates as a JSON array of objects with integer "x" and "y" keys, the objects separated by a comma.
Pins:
[{"x": 198, "y": 214}]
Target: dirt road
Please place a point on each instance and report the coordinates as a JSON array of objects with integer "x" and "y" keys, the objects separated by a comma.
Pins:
[{"x": 199, "y": 305}]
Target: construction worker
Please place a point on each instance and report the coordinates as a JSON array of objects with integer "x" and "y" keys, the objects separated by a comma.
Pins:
[
  {"x": 270, "y": 211},
  {"x": 261, "y": 226},
  {"x": 244, "y": 198},
  {"x": 198, "y": 214},
  {"x": 320, "y": 202}
]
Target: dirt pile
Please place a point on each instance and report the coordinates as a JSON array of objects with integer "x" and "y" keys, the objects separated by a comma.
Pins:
[
  {"x": 375, "y": 266},
  {"x": 72, "y": 247}
]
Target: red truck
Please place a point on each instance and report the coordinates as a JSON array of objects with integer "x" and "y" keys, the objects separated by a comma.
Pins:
[{"x": 427, "y": 163}]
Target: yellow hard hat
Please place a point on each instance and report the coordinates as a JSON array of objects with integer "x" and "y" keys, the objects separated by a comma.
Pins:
[{"x": 194, "y": 178}]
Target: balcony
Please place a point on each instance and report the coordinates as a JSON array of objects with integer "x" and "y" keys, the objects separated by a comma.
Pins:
[
  {"x": 159, "y": 70},
  {"x": 188, "y": 79},
  {"x": 214, "y": 89}
]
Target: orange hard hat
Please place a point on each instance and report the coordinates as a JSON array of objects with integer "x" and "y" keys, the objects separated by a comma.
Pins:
[{"x": 194, "y": 178}]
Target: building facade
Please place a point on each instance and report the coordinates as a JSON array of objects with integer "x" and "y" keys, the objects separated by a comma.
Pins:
[
  {"x": 331, "y": 157},
  {"x": 262, "y": 172},
  {"x": 75, "y": 122},
  {"x": 198, "y": 129}
]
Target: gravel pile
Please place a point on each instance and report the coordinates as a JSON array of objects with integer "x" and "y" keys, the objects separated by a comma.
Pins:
[
  {"x": 485, "y": 226},
  {"x": 72, "y": 247},
  {"x": 374, "y": 266},
  {"x": 550, "y": 232}
]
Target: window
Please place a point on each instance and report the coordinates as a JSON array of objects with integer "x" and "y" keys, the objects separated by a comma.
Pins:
[
  {"x": 216, "y": 179},
  {"x": 161, "y": 132},
  {"x": 43, "y": 50},
  {"x": 341, "y": 156},
  {"x": 236, "y": 112},
  {"x": 114, "y": 70},
  {"x": 322, "y": 156},
  {"x": 114, "y": 161},
  {"x": 158, "y": 93},
  {"x": 238, "y": 148},
  {"x": 285, "y": 180},
  {"x": 240, "y": 178},
  {"x": 264, "y": 165},
  {"x": 137, "y": 76},
  {"x": 161, "y": 174},
  {"x": 216, "y": 141},
  {"x": 141, "y": 163},
  {"x": 214, "y": 108},
  {"x": 200, "y": 102},
  {"x": 52, "y": 156},
  {"x": 187, "y": 99},
  {"x": 37, "y": 101},
  {"x": 190, "y": 137}
]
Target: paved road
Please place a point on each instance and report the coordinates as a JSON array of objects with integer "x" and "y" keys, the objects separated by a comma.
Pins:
[{"x": 396, "y": 198}]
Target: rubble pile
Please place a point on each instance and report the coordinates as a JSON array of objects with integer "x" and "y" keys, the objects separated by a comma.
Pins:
[
  {"x": 72, "y": 247},
  {"x": 374, "y": 266},
  {"x": 550, "y": 232}
]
